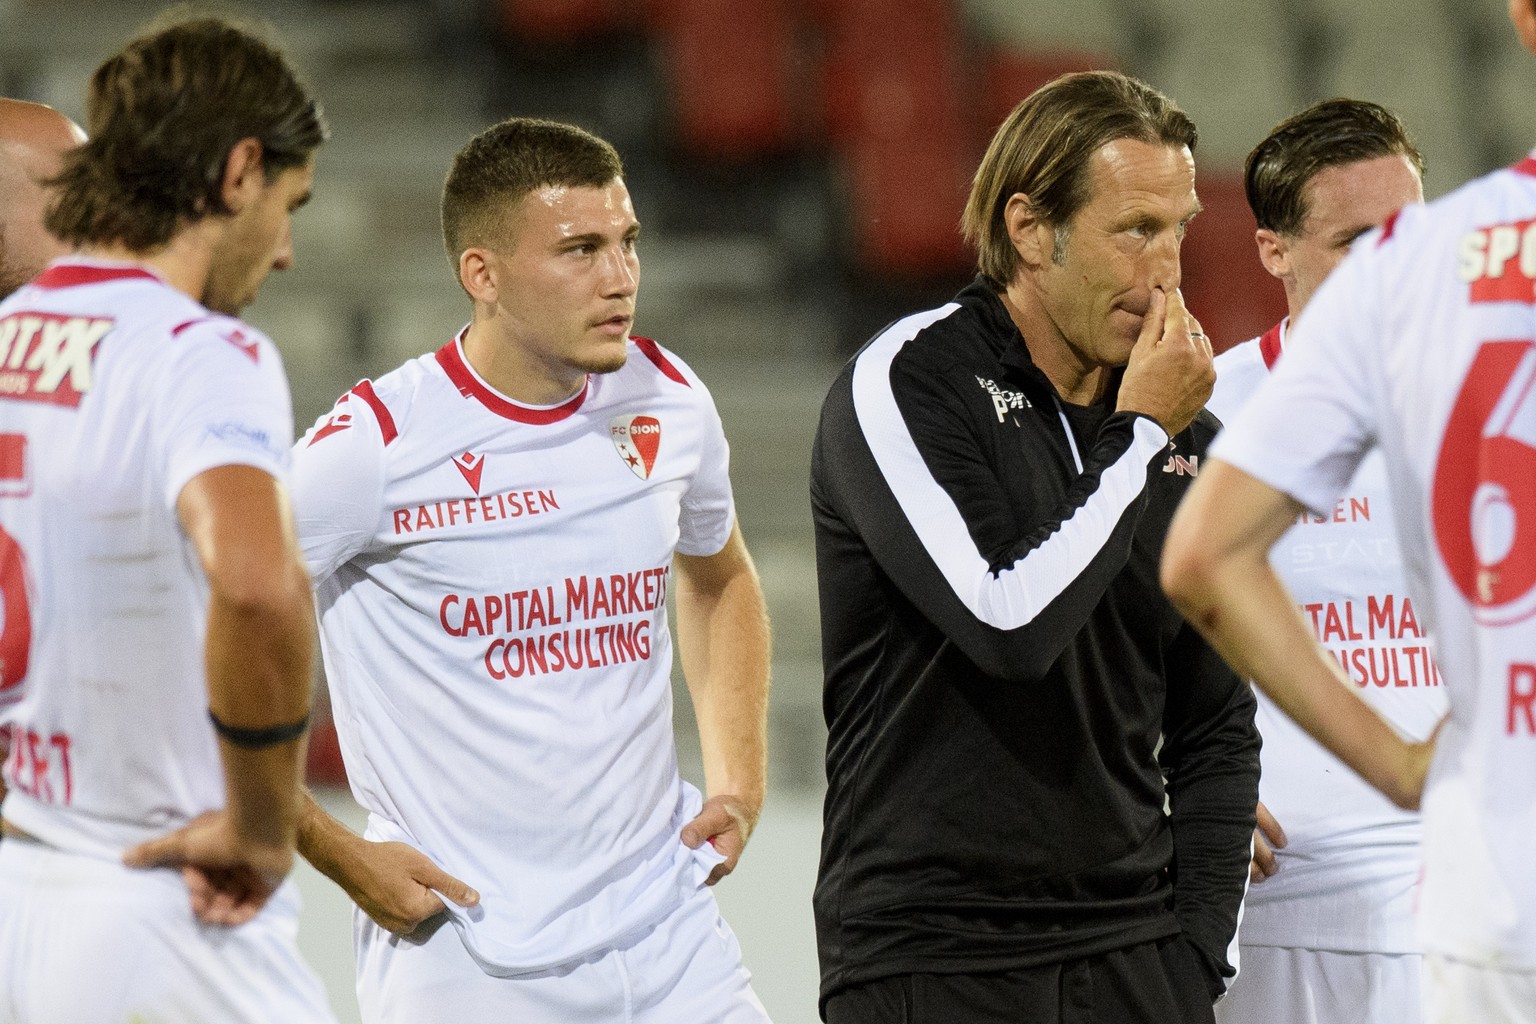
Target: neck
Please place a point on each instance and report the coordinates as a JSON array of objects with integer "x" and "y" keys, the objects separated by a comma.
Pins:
[
  {"x": 185, "y": 261},
  {"x": 509, "y": 369},
  {"x": 1075, "y": 379}
]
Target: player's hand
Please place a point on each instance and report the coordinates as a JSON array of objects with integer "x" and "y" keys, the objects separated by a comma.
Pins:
[
  {"x": 399, "y": 887},
  {"x": 1170, "y": 375},
  {"x": 229, "y": 879},
  {"x": 727, "y": 823},
  {"x": 1267, "y": 838}
]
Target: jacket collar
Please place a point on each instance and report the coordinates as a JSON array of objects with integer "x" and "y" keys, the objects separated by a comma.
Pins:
[{"x": 1007, "y": 344}]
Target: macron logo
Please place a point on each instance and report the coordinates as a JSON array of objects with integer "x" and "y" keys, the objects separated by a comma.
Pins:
[
  {"x": 48, "y": 358},
  {"x": 470, "y": 467}
]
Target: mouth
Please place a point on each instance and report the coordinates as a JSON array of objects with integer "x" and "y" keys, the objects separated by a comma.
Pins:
[{"x": 617, "y": 324}]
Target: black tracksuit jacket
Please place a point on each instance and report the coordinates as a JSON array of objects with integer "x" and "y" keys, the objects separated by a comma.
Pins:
[{"x": 1006, "y": 685}]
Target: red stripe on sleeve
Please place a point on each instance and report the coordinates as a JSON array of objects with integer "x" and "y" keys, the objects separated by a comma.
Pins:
[
  {"x": 1387, "y": 227},
  {"x": 364, "y": 390}
]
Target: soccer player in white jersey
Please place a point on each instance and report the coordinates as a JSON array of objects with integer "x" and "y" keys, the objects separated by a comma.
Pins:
[
  {"x": 1327, "y": 931},
  {"x": 33, "y": 141},
  {"x": 495, "y": 530},
  {"x": 155, "y": 651},
  {"x": 1423, "y": 344}
]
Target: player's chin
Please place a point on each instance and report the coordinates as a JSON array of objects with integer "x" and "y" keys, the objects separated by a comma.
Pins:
[{"x": 607, "y": 357}]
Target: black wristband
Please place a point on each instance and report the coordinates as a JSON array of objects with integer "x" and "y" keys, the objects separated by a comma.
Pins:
[{"x": 255, "y": 739}]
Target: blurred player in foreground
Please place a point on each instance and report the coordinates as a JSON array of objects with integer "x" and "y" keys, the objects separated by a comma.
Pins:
[
  {"x": 1329, "y": 935},
  {"x": 33, "y": 141},
  {"x": 496, "y": 530},
  {"x": 1421, "y": 343},
  {"x": 155, "y": 655}
]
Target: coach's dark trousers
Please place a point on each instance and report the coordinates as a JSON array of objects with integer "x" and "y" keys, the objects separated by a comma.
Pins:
[{"x": 1153, "y": 983}]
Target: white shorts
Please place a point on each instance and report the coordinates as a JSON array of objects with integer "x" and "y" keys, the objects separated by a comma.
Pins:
[
  {"x": 85, "y": 939},
  {"x": 1286, "y": 985},
  {"x": 684, "y": 970},
  {"x": 1458, "y": 993}
]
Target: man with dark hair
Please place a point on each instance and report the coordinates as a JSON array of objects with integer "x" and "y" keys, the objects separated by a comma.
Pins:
[
  {"x": 33, "y": 142},
  {"x": 1422, "y": 343},
  {"x": 155, "y": 654},
  {"x": 495, "y": 530},
  {"x": 1329, "y": 935},
  {"x": 1006, "y": 690}
]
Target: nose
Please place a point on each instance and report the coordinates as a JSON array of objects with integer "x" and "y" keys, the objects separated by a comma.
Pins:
[
  {"x": 623, "y": 276},
  {"x": 282, "y": 256},
  {"x": 1165, "y": 271}
]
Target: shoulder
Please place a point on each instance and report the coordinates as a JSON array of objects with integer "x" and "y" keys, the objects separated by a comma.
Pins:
[
  {"x": 373, "y": 412},
  {"x": 1239, "y": 372},
  {"x": 216, "y": 332}
]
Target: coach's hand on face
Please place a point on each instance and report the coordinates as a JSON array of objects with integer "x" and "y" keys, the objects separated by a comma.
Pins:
[
  {"x": 228, "y": 878},
  {"x": 1170, "y": 374},
  {"x": 727, "y": 823}
]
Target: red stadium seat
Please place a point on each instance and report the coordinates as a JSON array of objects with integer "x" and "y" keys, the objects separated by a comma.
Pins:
[
  {"x": 895, "y": 111},
  {"x": 1009, "y": 75},
  {"x": 733, "y": 73},
  {"x": 1225, "y": 286},
  {"x": 559, "y": 20}
]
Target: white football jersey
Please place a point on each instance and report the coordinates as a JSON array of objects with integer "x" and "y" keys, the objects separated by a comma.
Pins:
[
  {"x": 1348, "y": 872},
  {"x": 115, "y": 391},
  {"x": 492, "y": 582},
  {"x": 1423, "y": 343}
]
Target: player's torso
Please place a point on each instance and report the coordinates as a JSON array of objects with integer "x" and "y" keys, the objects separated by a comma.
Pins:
[{"x": 103, "y": 605}]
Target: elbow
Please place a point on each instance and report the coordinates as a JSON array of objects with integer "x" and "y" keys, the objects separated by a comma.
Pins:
[
  {"x": 261, "y": 588},
  {"x": 1188, "y": 574}
]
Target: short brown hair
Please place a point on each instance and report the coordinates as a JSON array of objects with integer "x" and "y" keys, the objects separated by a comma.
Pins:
[
  {"x": 163, "y": 115},
  {"x": 1327, "y": 134},
  {"x": 506, "y": 162},
  {"x": 1043, "y": 150}
]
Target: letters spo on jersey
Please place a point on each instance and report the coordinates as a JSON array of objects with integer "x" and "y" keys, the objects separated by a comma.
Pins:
[
  {"x": 1500, "y": 262},
  {"x": 545, "y": 629},
  {"x": 45, "y": 357}
]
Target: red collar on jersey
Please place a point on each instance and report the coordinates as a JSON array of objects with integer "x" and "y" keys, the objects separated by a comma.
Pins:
[
  {"x": 451, "y": 359},
  {"x": 67, "y": 275},
  {"x": 1527, "y": 166},
  {"x": 1271, "y": 345}
]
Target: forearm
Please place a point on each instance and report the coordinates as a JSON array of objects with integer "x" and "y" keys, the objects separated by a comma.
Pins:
[
  {"x": 258, "y": 665},
  {"x": 723, "y": 640},
  {"x": 328, "y": 845}
]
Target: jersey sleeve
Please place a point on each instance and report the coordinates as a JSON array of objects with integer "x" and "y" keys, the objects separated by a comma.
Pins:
[
  {"x": 1307, "y": 427},
  {"x": 338, "y": 485},
  {"x": 708, "y": 509},
  {"x": 898, "y": 466},
  {"x": 224, "y": 402}
]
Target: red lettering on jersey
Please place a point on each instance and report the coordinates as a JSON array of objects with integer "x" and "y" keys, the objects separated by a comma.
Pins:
[
  {"x": 46, "y": 357},
  {"x": 1499, "y": 263},
  {"x": 1522, "y": 700}
]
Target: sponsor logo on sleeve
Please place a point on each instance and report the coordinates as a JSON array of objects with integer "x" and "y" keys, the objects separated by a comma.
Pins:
[
  {"x": 638, "y": 439},
  {"x": 48, "y": 358},
  {"x": 1179, "y": 465}
]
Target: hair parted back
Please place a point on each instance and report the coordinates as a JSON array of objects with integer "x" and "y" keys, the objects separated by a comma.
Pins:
[
  {"x": 1327, "y": 134},
  {"x": 497, "y": 168},
  {"x": 1044, "y": 148},
  {"x": 163, "y": 115}
]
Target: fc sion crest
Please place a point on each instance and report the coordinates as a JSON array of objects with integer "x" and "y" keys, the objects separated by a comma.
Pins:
[{"x": 637, "y": 439}]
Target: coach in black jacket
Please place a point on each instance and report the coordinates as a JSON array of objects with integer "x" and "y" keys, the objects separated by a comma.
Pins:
[{"x": 1006, "y": 686}]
